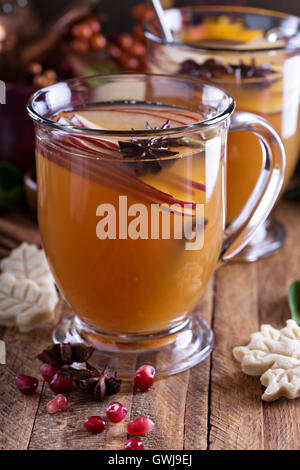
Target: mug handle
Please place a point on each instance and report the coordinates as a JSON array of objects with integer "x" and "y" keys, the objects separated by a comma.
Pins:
[{"x": 258, "y": 207}]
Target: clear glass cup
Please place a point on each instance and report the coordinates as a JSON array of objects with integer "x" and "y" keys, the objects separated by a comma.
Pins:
[
  {"x": 255, "y": 55},
  {"x": 131, "y": 209}
]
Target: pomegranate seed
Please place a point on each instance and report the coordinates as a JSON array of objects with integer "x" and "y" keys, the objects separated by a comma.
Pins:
[
  {"x": 95, "y": 424},
  {"x": 133, "y": 444},
  {"x": 48, "y": 372},
  {"x": 144, "y": 377},
  {"x": 116, "y": 412},
  {"x": 59, "y": 403},
  {"x": 61, "y": 383},
  {"x": 140, "y": 426},
  {"x": 27, "y": 385}
]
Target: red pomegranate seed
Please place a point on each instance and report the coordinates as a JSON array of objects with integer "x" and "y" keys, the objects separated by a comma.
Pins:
[
  {"x": 95, "y": 424},
  {"x": 59, "y": 403},
  {"x": 61, "y": 383},
  {"x": 140, "y": 426},
  {"x": 133, "y": 444},
  {"x": 144, "y": 377},
  {"x": 27, "y": 385},
  {"x": 116, "y": 412},
  {"x": 48, "y": 372}
]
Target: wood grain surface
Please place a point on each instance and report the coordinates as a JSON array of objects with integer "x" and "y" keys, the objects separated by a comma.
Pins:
[{"x": 212, "y": 406}]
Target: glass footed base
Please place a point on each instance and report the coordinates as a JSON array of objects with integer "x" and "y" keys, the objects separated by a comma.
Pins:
[
  {"x": 169, "y": 352},
  {"x": 267, "y": 241}
]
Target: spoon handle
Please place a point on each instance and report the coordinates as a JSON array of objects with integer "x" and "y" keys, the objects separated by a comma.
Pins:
[{"x": 162, "y": 20}]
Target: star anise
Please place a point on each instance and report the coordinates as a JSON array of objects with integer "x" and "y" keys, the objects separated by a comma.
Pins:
[
  {"x": 252, "y": 70},
  {"x": 98, "y": 383},
  {"x": 212, "y": 68},
  {"x": 153, "y": 148},
  {"x": 62, "y": 354}
]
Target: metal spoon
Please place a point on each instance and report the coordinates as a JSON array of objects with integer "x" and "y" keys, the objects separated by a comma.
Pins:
[{"x": 162, "y": 20}]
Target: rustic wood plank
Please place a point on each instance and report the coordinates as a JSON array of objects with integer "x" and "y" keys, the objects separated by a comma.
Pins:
[
  {"x": 197, "y": 398},
  {"x": 170, "y": 404},
  {"x": 245, "y": 296},
  {"x": 65, "y": 430},
  {"x": 165, "y": 405},
  {"x": 235, "y": 404},
  {"x": 282, "y": 417},
  {"x": 17, "y": 411}
]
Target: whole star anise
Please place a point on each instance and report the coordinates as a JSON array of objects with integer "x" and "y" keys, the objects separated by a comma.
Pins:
[
  {"x": 153, "y": 148},
  {"x": 212, "y": 68},
  {"x": 98, "y": 383},
  {"x": 62, "y": 354}
]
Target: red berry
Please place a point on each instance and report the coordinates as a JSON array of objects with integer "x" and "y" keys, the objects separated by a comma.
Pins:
[
  {"x": 141, "y": 12},
  {"x": 48, "y": 371},
  {"x": 80, "y": 45},
  {"x": 59, "y": 403},
  {"x": 27, "y": 385},
  {"x": 95, "y": 424},
  {"x": 129, "y": 63},
  {"x": 98, "y": 41},
  {"x": 138, "y": 32},
  {"x": 94, "y": 24},
  {"x": 82, "y": 31},
  {"x": 144, "y": 377},
  {"x": 114, "y": 51},
  {"x": 140, "y": 426},
  {"x": 61, "y": 383},
  {"x": 133, "y": 444},
  {"x": 138, "y": 49},
  {"x": 125, "y": 41},
  {"x": 116, "y": 412}
]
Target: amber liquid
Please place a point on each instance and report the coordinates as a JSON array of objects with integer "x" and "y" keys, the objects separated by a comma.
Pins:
[
  {"x": 125, "y": 285},
  {"x": 275, "y": 104}
]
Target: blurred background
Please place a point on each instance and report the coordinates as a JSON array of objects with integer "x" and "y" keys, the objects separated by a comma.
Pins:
[
  {"x": 118, "y": 9},
  {"x": 45, "y": 41}
]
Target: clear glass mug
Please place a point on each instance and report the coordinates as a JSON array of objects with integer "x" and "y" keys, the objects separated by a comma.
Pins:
[
  {"x": 131, "y": 209},
  {"x": 255, "y": 55}
]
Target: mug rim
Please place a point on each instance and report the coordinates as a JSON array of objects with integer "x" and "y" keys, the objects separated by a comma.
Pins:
[
  {"x": 203, "y": 124},
  {"x": 221, "y": 8}
]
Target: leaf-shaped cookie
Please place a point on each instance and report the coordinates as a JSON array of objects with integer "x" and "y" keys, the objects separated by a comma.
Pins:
[
  {"x": 28, "y": 262},
  {"x": 281, "y": 382},
  {"x": 275, "y": 355},
  {"x": 23, "y": 303}
]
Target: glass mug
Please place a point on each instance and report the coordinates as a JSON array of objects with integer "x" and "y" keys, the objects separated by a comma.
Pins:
[
  {"x": 131, "y": 209},
  {"x": 255, "y": 55}
]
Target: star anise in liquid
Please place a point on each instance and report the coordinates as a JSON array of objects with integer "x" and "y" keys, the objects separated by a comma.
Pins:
[
  {"x": 152, "y": 148},
  {"x": 212, "y": 68}
]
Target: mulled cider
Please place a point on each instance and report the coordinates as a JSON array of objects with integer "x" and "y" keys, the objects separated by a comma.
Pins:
[
  {"x": 121, "y": 281},
  {"x": 131, "y": 208}
]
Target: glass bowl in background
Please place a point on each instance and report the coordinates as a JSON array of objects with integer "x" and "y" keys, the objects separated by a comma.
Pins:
[{"x": 255, "y": 55}]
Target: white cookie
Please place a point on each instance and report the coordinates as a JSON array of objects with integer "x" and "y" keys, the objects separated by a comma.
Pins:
[
  {"x": 24, "y": 303},
  {"x": 28, "y": 262},
  {"x": 275, "y": 355}
]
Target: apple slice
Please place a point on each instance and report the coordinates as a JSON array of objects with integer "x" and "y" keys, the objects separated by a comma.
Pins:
[{"x": 133, "y": 118}]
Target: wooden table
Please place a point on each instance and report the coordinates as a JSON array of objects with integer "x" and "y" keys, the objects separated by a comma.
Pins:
[{"x": 212, "y": 406}]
